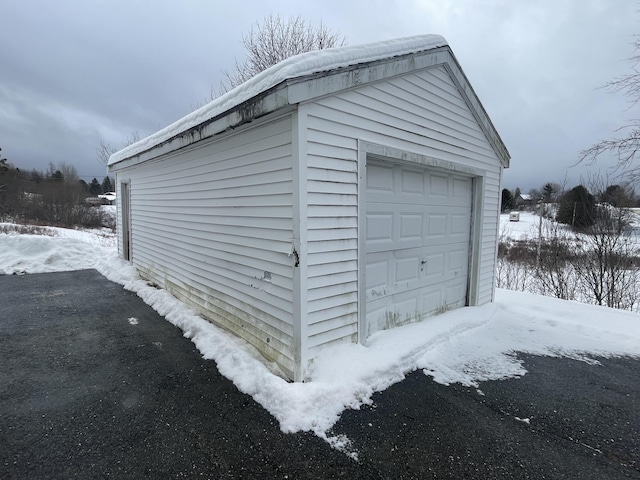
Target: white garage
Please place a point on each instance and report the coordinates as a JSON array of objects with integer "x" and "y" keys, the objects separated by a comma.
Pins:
[{"x": 336, "y": 194}]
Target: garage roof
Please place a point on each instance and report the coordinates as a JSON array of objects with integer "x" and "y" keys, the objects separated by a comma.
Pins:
[{"x": 265, "y": 88}]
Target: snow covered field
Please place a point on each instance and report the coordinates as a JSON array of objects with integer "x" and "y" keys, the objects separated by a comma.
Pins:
[
  {"x": 527, "y": 227},
  {"x": 468, "y": 345}
]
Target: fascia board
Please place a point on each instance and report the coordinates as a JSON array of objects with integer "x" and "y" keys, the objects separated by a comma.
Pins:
[
  {"x": 253, "y": 109},
  {"x": 304, "y": 89}
]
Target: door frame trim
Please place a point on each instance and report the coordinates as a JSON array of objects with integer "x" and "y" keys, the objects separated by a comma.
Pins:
[{"x": 125, "y": 220}]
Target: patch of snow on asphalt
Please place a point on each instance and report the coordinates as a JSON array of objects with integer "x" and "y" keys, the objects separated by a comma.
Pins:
[{"x": 467, "y": 346}]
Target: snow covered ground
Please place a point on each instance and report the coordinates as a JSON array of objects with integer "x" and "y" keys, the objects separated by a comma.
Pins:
[
  {"x": 526, "y": 227},
  {"x": 468, "y": 345}
]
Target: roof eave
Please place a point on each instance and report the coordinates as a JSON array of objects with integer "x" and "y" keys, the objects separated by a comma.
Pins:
[{"x": 256, "y": 107}]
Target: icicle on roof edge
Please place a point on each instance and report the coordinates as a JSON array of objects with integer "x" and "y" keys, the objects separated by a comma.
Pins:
[{"x": 297, "y": 66}]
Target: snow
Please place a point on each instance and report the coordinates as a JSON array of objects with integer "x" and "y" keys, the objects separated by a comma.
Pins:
[
  {"x": 526, "y": 227},
  {"x": 467, "y": 346},
  {"x": 59, "y": 249},
  {"x": 293, "y": 67}
]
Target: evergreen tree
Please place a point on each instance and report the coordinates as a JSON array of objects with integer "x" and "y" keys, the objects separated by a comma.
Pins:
[
  {"x": 507, "y": 200},
  {"x": 107, "y": 185},
  {"x": 617, "y": 196},
  {"x": 577, "y": 208},
  {"x": 94, "y": 187}
]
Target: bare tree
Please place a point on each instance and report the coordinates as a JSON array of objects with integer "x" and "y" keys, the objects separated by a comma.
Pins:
[
  {"x": 606, "y": 261},
  {"x": 513, "y": 264},
  {"x": 553, "y": 273},
  {"x": 105, "y": 150},
  {"x": 626, "y": 146},
  {"x": 69, "y": 172},
  {"x": 274, "y": 40}
]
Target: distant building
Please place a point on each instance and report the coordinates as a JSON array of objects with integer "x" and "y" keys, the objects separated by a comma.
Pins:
[
  {"x": 108, "y": 198},
  {"x": 523, "y": 201}
]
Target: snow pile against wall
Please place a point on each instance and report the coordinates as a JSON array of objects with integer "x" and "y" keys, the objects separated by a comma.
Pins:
[{"x": 297, "y": 66}]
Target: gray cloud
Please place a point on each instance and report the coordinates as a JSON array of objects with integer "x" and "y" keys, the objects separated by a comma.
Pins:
[{"x": 73, "y": 72}]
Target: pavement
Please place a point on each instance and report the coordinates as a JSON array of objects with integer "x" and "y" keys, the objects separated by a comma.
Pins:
[{"x": 85, "y": 394}]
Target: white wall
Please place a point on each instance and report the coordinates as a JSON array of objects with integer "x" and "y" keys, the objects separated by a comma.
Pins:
[
  {"x": 213, "y": 225},
  {"x": 422, "y": 112}
]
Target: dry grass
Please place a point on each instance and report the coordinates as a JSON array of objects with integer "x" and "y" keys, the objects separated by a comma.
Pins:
[{"x": 27, "y": 229}]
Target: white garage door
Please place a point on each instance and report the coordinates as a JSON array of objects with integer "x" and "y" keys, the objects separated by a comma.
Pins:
[{"x": 417, "y": 243}]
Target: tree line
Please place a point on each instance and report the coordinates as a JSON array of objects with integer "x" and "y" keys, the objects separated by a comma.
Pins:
[
  {"x": 54, "y": 197},
  {"x": 578, "y": 207}
]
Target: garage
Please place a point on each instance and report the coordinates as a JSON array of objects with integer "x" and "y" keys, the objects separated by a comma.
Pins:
[
  {"x": 336, "y": 194},
  {"x": 417, "y": 242}
]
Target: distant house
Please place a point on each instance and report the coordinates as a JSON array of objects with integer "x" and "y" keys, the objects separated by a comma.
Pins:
[
  {"x": 336, "y": 194},
  {"x": 523, "y": 200},
  {"x": 108, "y": 198}
]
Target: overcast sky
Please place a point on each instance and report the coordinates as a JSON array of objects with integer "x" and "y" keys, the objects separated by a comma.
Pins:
[{"x": 73, "y": 72}]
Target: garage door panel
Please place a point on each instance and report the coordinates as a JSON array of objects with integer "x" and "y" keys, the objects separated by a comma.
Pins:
[
  {"x": 417, "y": 243},
  {"x": 412, "y": 182},
  {"x": 378, "y": 274},
  {"x": 407, "y": 269},
  {"x": 434, "y": 267},
  {"x": 380, "y": 229},
  {"x": 460, "y": 225},
  {"x": 393, "y": 271},
  {"x": 411, "y": 226},
  {"x": 380, "y": 178},
  {"x": 462, "y": 189},
  {"x": 436, "y": 226},
  {"x": 438, "y": 185},
  {"x": 458, "y": 261},
  {"x": 377, "y": 315},
  {"x": 453, "y": 296}
]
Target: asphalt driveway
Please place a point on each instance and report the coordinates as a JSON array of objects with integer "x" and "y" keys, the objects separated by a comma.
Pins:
[{"x": 86, "y": 394}]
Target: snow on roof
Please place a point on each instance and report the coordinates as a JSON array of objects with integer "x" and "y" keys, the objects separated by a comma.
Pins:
[{"x": 293, "y": 67}]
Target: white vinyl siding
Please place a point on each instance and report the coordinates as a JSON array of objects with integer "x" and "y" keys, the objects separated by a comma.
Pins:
[
  {"x": 422, "y": 112},
  {"x": 213, "y": 225},
  {"x": 332, "y": 183}
]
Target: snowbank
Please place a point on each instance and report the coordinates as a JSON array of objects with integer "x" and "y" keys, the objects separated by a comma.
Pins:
[{"x": 467, "y": 345}]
